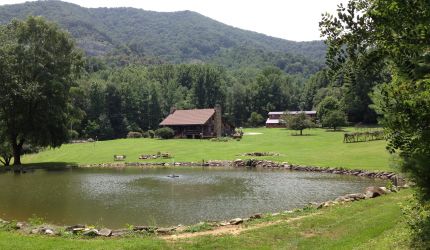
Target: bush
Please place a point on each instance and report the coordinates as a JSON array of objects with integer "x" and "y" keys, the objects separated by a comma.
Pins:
[
  {"x": 255, "y": 119},
  {"x": 133, "y": 134},
  {"x": 151, "y": 133},
  {"x": 165, "y": 133},
  {"x": 145, "y": 134}
]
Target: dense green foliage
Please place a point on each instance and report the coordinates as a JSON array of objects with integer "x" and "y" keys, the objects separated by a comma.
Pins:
[
  {"x": 39, "y": 64},
  {"x": 334, "y": 119},
  {"x": 165, "y": 133},
  {"x": 298, "y": 122},
  {"x": 127, "y": 35},
  {"x": 112, "y": 102},
  {"x": 255, "y": 120},
  {"x": 394, "y": 33}
]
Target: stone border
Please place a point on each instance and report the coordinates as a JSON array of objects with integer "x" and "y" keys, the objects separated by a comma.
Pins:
[
  {"x": 90, "y": 232},
  {"x": 253, "y": 163}
]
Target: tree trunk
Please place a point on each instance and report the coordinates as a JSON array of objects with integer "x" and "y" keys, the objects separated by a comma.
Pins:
[
  {"x": 301, "y": 131},
  {"x": 17, "y": 148}
]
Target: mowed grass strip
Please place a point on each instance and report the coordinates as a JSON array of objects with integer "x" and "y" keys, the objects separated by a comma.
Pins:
[
  {"x": 318, "y": 147},
  {"x": 367, "y": 224}
]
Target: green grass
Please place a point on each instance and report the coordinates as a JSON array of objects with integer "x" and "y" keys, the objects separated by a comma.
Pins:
[
  {"x": 319, "y": 148},
  {"x": 367, "y": 224}
]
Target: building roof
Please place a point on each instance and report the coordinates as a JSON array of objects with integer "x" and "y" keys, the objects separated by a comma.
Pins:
[
  {"x": 188, "y": 117},
  {"x": 272, "y": 121},
  {"x": 293, "y": 112}
]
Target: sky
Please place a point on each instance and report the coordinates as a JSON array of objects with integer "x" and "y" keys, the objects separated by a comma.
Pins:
[{"x": 295, "y": 20}]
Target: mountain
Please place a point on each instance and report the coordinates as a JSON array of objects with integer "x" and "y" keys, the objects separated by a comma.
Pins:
[{"x": 175, "y": 37}]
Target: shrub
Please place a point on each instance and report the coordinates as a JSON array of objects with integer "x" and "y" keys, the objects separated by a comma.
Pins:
[
  {"x": 133, "y": 134},
  {"x": 165, "y": 133},
  {"x": 145, "y": 134},
  {"x": 151, "y": 133},
  {"x": 255, "y": 119}
]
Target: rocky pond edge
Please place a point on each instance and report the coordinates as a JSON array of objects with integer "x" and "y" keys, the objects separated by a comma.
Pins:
[
  {"x": 261, "y": 164},
  {"x": 91, "y": 231}
]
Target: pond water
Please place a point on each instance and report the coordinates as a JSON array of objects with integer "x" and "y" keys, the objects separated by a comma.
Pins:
[{"x": 116, "y": 197}]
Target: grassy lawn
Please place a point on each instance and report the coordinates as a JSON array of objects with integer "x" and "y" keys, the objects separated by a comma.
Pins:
[
  {"x": 318, "y": 147},
  {"x": 367, "y": 224}
]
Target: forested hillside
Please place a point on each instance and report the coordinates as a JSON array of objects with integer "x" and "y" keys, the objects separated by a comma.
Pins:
[{"x": 126, "y": 35}]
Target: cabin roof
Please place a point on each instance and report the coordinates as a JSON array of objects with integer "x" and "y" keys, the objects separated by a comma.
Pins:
[
  {"x": 272, "y": 121},
  {"x": 188, "y": 117}
]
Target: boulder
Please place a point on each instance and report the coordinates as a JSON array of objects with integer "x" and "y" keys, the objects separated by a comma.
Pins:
[
  {"x": 236, "y": 221},
  {"x": 49, "y": 231},
  {"x": 20, "y": 225},
  {"x": 372, "y": 192},
  {"x": 105, "y": 232},
  {"x": 70, "y": 228},
  {"x": 90, "y": 232},
  {"x": 119, "y": 232}
]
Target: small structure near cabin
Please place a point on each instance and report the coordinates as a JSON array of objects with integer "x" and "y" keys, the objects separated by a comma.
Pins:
[
  {"x": 198, "y": 123},
  {"x": 275, "y": 118}
]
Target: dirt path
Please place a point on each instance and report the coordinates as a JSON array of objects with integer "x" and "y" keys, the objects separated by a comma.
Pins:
[{"x": 232, "y": 229}]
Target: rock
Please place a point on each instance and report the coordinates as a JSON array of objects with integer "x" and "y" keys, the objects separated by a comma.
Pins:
[
  {"x": 166, "y": 230},
  {"x": 70, "y": 228},
  {"x": 49, "y": 231},
  {"x": 20, "y": 225},
  {"x": 372, "y": 192},
  {"x": 34, "y": 231},
  {"x": 386, "y": 190},
  {"x": 256, "y": 216},
  {"x": 236, "y": 221},
  {"x": 3, "y": 221},
  {"x": 105, "y": 232},
  {"x": 90, "y": 232},
  {"x": 224, "y": 223},
  {"x": 119, "y": 232}
]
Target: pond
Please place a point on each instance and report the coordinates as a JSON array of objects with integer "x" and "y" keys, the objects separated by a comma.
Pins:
[{"x": 117, "y": 197}]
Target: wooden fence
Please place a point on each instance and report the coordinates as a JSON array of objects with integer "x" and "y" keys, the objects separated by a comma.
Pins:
[{"x": 363, "y": 136}]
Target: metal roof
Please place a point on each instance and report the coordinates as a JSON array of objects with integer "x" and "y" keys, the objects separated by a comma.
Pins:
[
  {"x": 188, "y": 117},
  {"x": 292, "y": 112},
  {"x": 272, "y": 121}
]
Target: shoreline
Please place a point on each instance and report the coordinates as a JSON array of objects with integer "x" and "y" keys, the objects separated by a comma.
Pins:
[
  {"x": 85, "y": 230},
  {"x": 89, "y": 231}
]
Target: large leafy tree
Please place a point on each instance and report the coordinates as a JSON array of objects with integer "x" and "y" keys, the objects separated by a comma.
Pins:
[
  {"x": 39, "y": 64},
  {"x": 371, "y": 31}
]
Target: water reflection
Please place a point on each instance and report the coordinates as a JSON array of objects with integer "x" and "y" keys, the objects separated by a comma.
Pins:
[{"x": 114, "y": 197}]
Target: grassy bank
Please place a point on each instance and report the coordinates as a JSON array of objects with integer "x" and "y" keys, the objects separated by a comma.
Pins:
[
  {"x": 319, "y": 147},
  {"x": 367, "y": 224}
]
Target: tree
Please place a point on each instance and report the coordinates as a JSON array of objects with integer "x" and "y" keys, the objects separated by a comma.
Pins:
[
  {"x": 299, "y": 121},
  {"x": 396, "y": 32},
  {"x": 39, "y": 65},
  {"x": 334, "y": 119},
  {"x": 255, "y": 119},
  {"x": 327, "y": 105}
]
